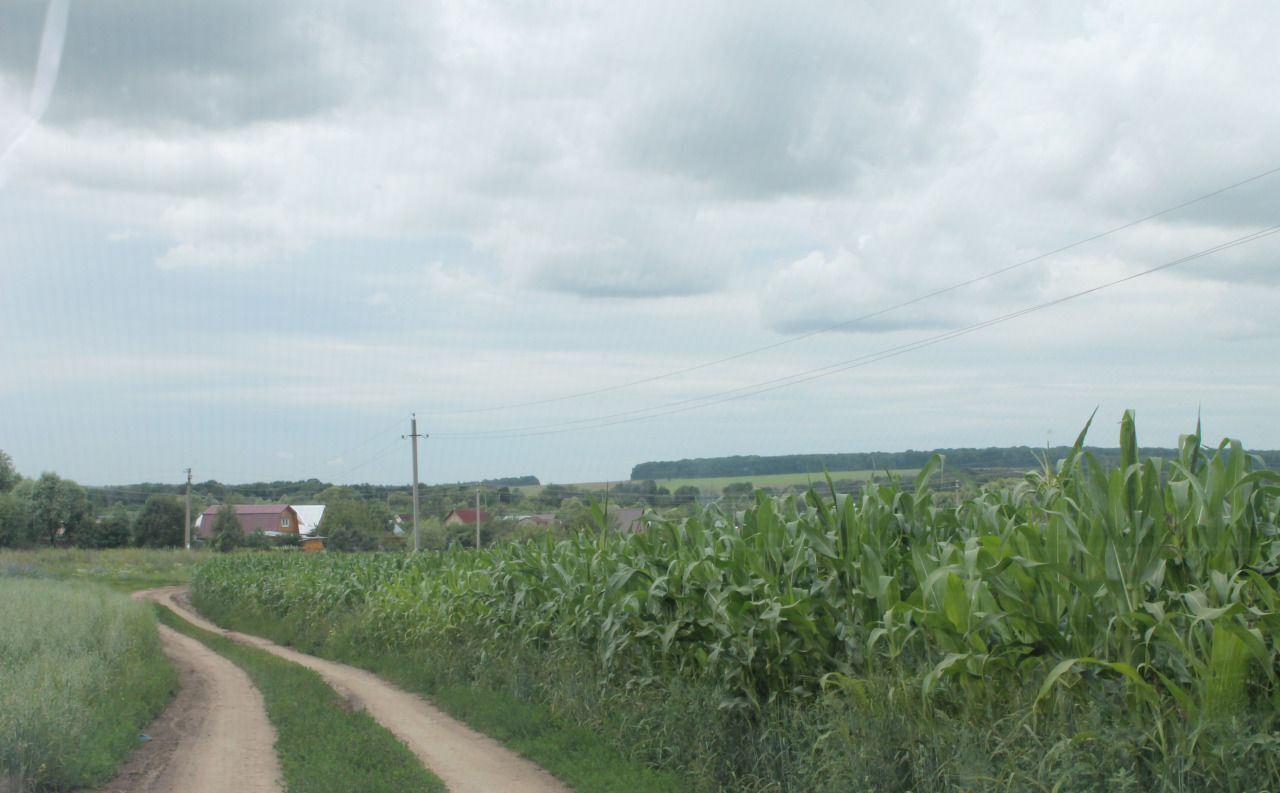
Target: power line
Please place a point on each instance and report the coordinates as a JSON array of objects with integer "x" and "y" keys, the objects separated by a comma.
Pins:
[
  {"x": 378, "y": 455},
  {"x": 366, "y": 441},
  {"x": 696, "y": 403},
  {"x": 872, "y": 315}
]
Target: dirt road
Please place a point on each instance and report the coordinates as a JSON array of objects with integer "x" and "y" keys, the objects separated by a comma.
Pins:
[
  {"x": 465, "y": 760},
  {"x": 214, "y": 737}
]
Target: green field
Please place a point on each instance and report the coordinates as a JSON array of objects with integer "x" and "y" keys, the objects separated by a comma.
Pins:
[
  {"x": 713, "y": 485},
  {"x": 122, "y": 569},
  {"x": 81, "y": 674},
  {"x": 1091, "y": 627}
]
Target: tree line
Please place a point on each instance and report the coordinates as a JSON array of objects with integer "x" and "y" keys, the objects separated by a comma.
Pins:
[
  {"x": 1010, "y": 457},
  {"x": 52, "y": 511}
]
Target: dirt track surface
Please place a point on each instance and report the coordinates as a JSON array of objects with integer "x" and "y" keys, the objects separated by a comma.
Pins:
[
  {"x": 214, "y": 737},
  {"x": 467, "y": 761}
]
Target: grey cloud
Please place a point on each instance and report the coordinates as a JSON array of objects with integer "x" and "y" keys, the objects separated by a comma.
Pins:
[
  {"x": 210, "y": 64},
  {"x": 764, "y": 105},
  {"x": 620, "y": 267}
]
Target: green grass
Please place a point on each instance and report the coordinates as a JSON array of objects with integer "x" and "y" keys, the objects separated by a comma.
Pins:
[
  {"x": 322, "y": 747},
  {"x": 579, "y": 756},
  {"x": 122, "y": 569},
  {"x": 570, "y": 752},
  {"x": 81, "y": 674}
]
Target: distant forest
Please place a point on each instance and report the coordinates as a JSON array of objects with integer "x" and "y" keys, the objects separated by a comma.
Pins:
[
  {"x": 1012, "y": 457},
  {"x": 308, "y": 491}
]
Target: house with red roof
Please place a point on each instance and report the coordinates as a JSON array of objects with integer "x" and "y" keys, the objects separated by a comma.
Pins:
[
  {"x": 270, "y": 519},
  {"x": 465, "y": 517}
]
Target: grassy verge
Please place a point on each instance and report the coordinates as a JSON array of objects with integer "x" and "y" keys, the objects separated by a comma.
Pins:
[
  {"x": 558, "y": 741},
  {"x": 321, "y": 746},
  {"x": 81, "y": 673},
  {"x": 122, "y": 569},
  {"x": 572, "y": 753}
]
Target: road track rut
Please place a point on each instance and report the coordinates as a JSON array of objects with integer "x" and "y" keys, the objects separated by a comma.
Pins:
[
  {"x": 214, "y": 737},
  {"x": 467, "y": 761}
]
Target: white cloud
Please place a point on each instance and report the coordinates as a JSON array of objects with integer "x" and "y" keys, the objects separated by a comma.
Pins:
[{"x": 605, "y": 193}]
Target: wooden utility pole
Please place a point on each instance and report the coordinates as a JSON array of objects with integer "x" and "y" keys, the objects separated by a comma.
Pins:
[
  {"x": 186, "y": 526},
  {"x": 413, "y": 433},
  {"x": 477, "y": 517}
]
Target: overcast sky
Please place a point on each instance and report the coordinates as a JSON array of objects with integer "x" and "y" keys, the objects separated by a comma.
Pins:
[{"x": 251, "y": 238}]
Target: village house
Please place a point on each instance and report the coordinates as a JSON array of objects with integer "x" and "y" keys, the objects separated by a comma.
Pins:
[
  {"x": 272, "y": 520},
  {"x": 628, "y": 521},
  {"x": 465, "y": 517},
  {"x": 309, "y": 517},
  {"x": 548, "y": 519}
]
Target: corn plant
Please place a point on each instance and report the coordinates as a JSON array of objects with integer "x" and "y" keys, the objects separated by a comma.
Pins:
[{"x": 1153, "y": 580}]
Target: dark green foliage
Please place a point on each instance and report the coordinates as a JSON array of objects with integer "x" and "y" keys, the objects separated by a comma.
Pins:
[
  {"x": 109, "y": 531},
  {"x": 16, "y": 530},
  {"x": 257, "y": 541},
  {"x": 323, "y": 748},
  {"x": 228, "y": 532},
  {"x": 734, "y": 489},
  {"x": 159, "y": 525},
  {"x": 1017, "y": 458},
  {"x": 9, "y": 477},
  {"x": 687, "y": 494},
  {"x": 350, "y": 525},
  {"x": 56, "y": 507},
  {"x": 527, "y": 480}
]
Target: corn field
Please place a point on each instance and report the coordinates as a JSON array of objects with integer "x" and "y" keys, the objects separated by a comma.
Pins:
[{"x": 1153, "y": 582}]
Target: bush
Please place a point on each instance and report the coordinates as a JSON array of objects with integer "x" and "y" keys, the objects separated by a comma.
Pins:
[{"x": 228, "y": 533}]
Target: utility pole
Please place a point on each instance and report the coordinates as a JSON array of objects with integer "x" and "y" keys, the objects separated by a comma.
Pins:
[
  {"x": 477, "y": 517},
  {"x": 413, "y": 433},
  {"x": 186, "y": 525}
]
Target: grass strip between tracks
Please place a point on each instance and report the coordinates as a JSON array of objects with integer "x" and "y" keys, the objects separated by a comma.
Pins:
[
  {"x": 323, "y": 747},
  {"x": 581, "y": 758}
]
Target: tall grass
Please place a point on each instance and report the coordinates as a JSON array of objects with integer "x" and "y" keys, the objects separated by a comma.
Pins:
[
  {"x": 122, "y": 569},
  {"x": 81, "y": 673},
  {"x": 1097, "y": 627}
]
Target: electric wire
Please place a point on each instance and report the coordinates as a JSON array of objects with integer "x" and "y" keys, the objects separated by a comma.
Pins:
[
  {"x": 341, "y": 456},
  {"x": 871, "y": 315},
  {"x": 753, "y": 389},
  {"x": 378, "y": 455}
]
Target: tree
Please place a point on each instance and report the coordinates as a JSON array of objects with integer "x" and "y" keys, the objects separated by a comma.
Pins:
[
  {"x": 335, "y": 493},
  {"x": 111, "y": 531},
  {"x": 351, "y": 525},
  {"x": 8, "y": 474},
  {"x": 58, "y": 507},
  {"x": 227, "y": 530},
  {"x": 432, "y": 534},
  {"x": 687, "y": 494},
  {"x": 159, "y": 524},
  {"x": 15, "y": 522},
  {"x": 257, "y": 541}
]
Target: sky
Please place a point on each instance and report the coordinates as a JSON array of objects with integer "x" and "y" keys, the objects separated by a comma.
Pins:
[{"x": 253, "y": 238}]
